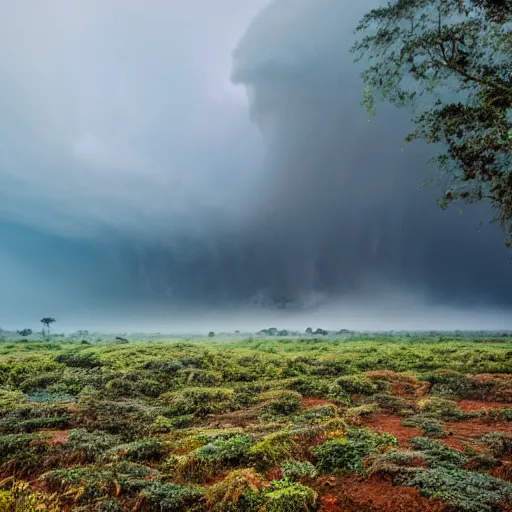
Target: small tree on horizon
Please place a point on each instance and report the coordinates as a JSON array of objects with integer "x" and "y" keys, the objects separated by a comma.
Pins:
[{"x": 47, "y": 321}]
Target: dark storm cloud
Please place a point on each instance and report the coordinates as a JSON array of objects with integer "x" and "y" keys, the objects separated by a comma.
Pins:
[{"x": 126, "y": 147}]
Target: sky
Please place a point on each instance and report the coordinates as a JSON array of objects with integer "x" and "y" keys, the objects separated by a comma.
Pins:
[{"x": 185, "y": 163}]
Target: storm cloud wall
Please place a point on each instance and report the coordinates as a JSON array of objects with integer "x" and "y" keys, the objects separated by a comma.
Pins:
[{"x": 140, "y": 175}]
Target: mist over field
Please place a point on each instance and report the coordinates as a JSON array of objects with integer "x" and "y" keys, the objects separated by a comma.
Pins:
[{"x": 201, "y": 165}]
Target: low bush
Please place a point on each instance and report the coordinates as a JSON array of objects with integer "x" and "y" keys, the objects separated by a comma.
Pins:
[
  {"x": 468, "y": 491},
  {"x": 145, "y": 450},
  {"x": 316, "y": 415},
  {"x": 450, "y": 384},
  {"x": 88, "y": 483},
  {"x": 198, "y": 401},
  {"x": 440, "y": 407},
  {"x": 89, "y": 446},
  {"x": 431, "y": 427},
  {"x": 226, "y": 452},
  {"x": 234, "y": 492},
  {"x": 499, "y": 443},
  {"x": 297, "y": 470},
  {"x": 287, "y": 496},
  {"x": 439, "y": 455},
  {"x": 281, "y": 402},
  {"x": 346, "y": 454},
  {"x": 79, "y": 359},
  {"x": 390, "y": 403},
  {"x": 310, "y": 386},
  {"x": 20, "y": 498},
  {"x": 163, "y": 497},
  {"x": 357, "y": 385},
  {"x": 22, "y": 453},
  {"x": 273, "y": 449}
]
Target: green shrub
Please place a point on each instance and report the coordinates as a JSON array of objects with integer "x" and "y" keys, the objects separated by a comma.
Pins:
[
  {"x": 79, "y": 359},
  {"x": 237, "y": 492},
  {"x": 88, "y": 446},
  {"x": 318, "y": 414},
  {"x": 198, "y": 401},
  {"x": 287, "y": 496},
  {"x": 431, "y": 427},
  {"x": 22, "y": 452},
  {"x": 195, "y": 377},
  {"x": 310, "y": 386},
  {"x": 145, "y": 450},
  {"x": 162, "y": 424},
  {"x": 10, "y": 400},
  {"x": 93, "y": 482},
  {"x": 129, "y": 419},
  {"x": 499, "y": 443},
  {"x": 398, "y": 463},
  {"x": 20, "y": 498},
  {"x": 450, "y": 384},
  {"x": 273, "y": 449},
  {"x": 281, "y": 401},
  {"x": 228, "y": 452},
  {"x": 161, "y": 497},
  {"x": 110, "y": 505},
  {"x": 339, "y": 456},
  {"x": 390, "y": 403},
  {"x": 346, "y": 454},
  {"x": 467, "y": 490},
  {"x": 356, "y": 385},
  {"x": 440, "y": 407},
  {"x": 297, "y": 470},
  {"x": 438, "y": 454}
]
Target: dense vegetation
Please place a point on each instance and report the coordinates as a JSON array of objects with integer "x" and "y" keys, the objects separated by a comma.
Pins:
[{"x": 258, "y": 424}]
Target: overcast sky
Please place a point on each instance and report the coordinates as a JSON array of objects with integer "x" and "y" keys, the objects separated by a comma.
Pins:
[{"x": 212, "y": 154}]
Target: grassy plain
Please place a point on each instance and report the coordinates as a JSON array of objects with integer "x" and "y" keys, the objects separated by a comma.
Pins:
[{"x": 387, "y": 424}]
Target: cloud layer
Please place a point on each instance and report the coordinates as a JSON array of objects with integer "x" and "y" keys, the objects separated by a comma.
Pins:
[{"x": 214, "y": 153}]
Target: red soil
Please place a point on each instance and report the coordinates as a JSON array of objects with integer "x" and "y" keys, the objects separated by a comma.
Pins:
[
  {"x": 464, "y": 433},
  {"x": 57, "y": 436},
  {"x": 310, "y": 403},
  {"x": 376, "y": 494},
  {"x": 475, "y": 405},
  {"x": 391, "y": 424}
]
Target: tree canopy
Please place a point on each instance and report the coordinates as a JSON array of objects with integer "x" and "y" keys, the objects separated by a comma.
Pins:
[{"x": 450, "y": 61}]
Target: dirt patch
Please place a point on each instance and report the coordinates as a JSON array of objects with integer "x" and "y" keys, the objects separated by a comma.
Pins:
[
  {"x": 242, "y": 418},
  {"x": 476, "y": 405},
  {"x": 57, "y": 436},
  {"x": 465, "y": 433},
  {"x": 376, "y": 494},
  {"x": 311, "y": 403},
  {"x": 404, "y": 389},
  {"x": 392, "y": 425}
]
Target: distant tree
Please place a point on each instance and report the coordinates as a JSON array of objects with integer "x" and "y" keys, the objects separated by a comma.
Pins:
[
  {"x": 451, "y": 62},
  {"x": 47, "y": 321},
  {"x": 211, "y": 334},
  {"x": 309, "y": 330},
  {"x": 321, "y": 331},
  {"x": 25, "y": 332}
]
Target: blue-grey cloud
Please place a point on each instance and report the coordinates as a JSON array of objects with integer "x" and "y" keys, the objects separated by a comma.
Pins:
[{"x": 214, "y": 153}]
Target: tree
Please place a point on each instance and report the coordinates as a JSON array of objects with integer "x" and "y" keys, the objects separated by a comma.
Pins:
[
  {"x": 47, "y": 321},
  {"x": 451, "y": 62},
  {"x": 25, "y": 332}
]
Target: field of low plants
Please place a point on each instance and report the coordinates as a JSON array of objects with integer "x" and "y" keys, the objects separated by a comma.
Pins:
[{"x": 263, "y": 424}]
